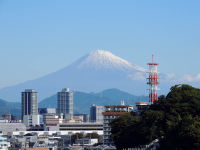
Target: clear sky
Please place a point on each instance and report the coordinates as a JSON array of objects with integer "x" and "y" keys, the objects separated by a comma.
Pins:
[{"x": 42, "y": 36}]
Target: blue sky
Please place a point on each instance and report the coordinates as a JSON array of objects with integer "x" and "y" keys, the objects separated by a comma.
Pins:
[{"x": 39, "y": 37}]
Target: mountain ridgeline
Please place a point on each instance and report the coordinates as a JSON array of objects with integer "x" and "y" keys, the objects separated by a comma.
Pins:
[
  {"x": 13, "y": 108},
  {"x": 83, "y": 101}
]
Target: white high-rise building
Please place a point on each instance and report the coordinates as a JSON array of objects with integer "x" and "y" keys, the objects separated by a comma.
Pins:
[
  {"x": 30, "y": 107},
  {"x": 65, "y": 103}
]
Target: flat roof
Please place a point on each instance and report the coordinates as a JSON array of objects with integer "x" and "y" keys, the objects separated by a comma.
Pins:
[
  {"x": 118, "y": 106},
  {"x": 141, "y": 103},
  {"x": 113, "y": 113}
]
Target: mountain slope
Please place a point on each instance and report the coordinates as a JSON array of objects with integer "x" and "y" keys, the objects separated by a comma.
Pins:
[
  {"x": 118, "y": 95},
  {"x": 95, "y": 72},
  {"x": 101, "y": 59},
  {"x": 10, "y": 108},
  {"x": 83, "y": 101}
]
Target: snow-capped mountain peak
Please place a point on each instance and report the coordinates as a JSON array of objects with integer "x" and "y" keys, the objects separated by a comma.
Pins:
[{"x": 99, "y": 59}]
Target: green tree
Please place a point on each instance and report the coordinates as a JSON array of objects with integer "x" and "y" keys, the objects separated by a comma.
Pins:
[
  {"x": 173, "y": 119},
  {"x": 94, "y": 136},
  {"x": 122, "y": 130},
  {"x": 76, "y": 136},
  {"x": 184, "y": 136}
]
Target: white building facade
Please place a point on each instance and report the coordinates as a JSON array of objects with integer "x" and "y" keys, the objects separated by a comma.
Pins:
[{"x": 65, "y": 103}]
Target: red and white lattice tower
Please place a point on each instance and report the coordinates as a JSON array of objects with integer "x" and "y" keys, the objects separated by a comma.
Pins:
[{"x": 153, "y": 81}]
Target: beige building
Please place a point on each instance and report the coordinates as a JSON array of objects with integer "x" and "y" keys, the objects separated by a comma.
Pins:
[{"x": 52, "y": 119}]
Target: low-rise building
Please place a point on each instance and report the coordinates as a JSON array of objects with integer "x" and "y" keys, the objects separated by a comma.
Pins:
[
  {"x": 43, "y": 111},
  {"x": 3, "y": 142},
  {"x": 141, "y": 106},
  {"x": 50, "y": 119},
  {"x": 37, "y": 148},
  {"x": 31, "y": 120},
  {"x": 7, "y": 117},
  {"x": 6, "y": 127},
  {"x": 85, "y": 128},
  {"x": 81, "y": 117},
  {"x": 85, "y": 141},
  {"x": 35, "y": 141}
]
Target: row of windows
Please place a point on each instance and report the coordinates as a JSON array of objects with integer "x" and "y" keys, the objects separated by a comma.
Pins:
[
  {"x": 78, "y": 129},
  {"x": 81, "y": 125},
  {"x": 3, "y": 140},
  {"x": 116, "y": 109},
  {"x": 107, "y": 133},
  {"x": 110, "y": 117}
]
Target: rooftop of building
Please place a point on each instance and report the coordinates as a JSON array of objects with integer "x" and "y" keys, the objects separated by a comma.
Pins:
[
  {"x": 118, "y": 106},
  {"x": 29, "y": 90},
  {"x": 65, "y": 90},
  {"x": 141, "y": 103},
  {"x": 81, "y": 123},
  {"x": 113, "y": 113}
]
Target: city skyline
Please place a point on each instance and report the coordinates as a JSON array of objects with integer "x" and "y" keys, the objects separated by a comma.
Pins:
[
  {"x": 38, "y": 38},
  {"x": 67, "y": 65}
]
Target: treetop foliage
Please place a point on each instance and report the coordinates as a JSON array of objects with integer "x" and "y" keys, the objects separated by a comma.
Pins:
[{"x": 173, "y": 120}]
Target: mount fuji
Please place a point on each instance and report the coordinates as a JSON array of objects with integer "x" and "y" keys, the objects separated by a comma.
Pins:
[{"x": 94, "y": 72}]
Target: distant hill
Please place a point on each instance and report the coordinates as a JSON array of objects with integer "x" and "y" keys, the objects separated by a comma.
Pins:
[
  {"x": 83, "y": 101},
  {"x": 117, "y": 95},
  {"x": 10, "y": 108}
]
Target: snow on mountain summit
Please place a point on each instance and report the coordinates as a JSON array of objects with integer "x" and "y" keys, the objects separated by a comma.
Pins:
[{"x": 104, "y": 59}]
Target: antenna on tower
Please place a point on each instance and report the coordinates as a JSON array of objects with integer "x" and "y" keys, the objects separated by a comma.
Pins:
[
  {"x": 153, "y": 81},
  {"x": 152, "y": 58}
]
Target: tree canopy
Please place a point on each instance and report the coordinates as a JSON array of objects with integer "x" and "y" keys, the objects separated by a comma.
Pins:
[{"x": 173, "y": 120}]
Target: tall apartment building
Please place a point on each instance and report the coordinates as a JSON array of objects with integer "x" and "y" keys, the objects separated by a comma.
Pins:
[
  {"x": 112, "y": 112},
  {"x": 65, "y": 103},
  {"x": 30, "y": 107},
  {"x": 96, "y": 113}
]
